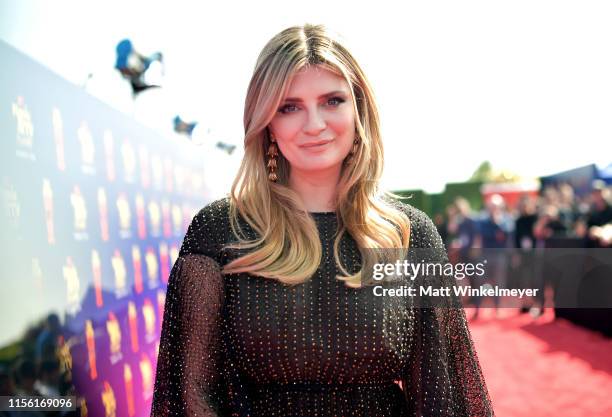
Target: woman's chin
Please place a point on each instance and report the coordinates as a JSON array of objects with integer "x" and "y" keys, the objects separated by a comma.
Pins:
[{"x": 323, "y": 166}]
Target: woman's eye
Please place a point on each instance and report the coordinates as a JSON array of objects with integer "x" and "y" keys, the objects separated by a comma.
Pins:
[
  {"x": 335, "y": 101},
  {"x": 292, "y": 108},
  {"x": 288, "y": 108}
]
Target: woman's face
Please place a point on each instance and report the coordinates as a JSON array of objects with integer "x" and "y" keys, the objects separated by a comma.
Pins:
[{"x": 315, "y": 123}]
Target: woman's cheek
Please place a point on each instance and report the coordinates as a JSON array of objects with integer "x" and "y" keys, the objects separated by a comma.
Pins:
[
  {"x": 342, "y": 121},
  {"x": 289, "y": 127}
]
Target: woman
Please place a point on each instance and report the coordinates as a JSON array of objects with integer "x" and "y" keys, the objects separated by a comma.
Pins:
[{"x": 267, "y": 312}]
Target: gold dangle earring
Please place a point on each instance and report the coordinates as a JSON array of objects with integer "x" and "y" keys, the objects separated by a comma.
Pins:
[
  {"x": 353, "y": 151},
  {"x": 272, "y": 154}
]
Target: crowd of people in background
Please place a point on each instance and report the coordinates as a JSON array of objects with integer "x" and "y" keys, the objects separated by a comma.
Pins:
[
  {"x": 556, "y": 218},
  {"x": 40, "y": 368}
]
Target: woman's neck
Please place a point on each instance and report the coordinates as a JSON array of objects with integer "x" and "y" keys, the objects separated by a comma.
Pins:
[{"x": 317, "y": 190}]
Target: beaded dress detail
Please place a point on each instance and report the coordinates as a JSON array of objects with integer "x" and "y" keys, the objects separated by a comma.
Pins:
[{"x": 239, "y": 345}]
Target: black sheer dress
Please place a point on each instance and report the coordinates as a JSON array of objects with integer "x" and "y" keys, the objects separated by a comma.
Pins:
[{"x": 238, "y": 345}]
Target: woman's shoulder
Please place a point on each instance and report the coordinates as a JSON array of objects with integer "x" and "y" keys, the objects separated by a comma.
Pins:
[
  {"x": 209, "y": 229},
  {"x": 217, "y": 209},
  {"x": 423, "y": 232},
  {"x": 213, "y": 216}
]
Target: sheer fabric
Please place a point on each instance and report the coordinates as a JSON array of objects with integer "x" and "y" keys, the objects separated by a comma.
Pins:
[{"x": 238, "y": 345}]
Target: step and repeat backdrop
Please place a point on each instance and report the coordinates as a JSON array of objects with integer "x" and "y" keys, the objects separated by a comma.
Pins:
[{"x": 94, "y": 209}]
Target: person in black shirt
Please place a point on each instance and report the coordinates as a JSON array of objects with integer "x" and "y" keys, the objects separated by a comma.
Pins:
[
  {"x": 599, "y": 217},
  {"x": 268, "y": 310},
  {"x": 525, "y": 243}
]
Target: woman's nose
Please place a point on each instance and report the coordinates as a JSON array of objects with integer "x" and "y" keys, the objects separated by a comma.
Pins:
[{"x": 315, "y": 122}]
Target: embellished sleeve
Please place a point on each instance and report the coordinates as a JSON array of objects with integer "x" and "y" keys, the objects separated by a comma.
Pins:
[
  {"x": 444, "y": 377},
  {"x": 189, "y": 379}
]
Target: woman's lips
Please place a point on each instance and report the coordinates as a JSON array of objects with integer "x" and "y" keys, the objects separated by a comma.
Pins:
[{"x": 317, "y": 144}]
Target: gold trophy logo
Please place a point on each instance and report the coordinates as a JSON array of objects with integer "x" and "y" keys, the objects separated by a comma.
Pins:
[
  {"x": 152, "y": 267},
  {"x": 73, "y": 286},
  {"x": 58, "y": 138},
  {"x": 83, "y": 407},
  {"x": 109, "y": 401},
  {"x": 125, "y": 216},
  {"x": 79, "y": 213},
  {"x": 114, "y": 337},
  {"x": 154, "y": 218},
  {"x": 148, "y": 314},
  {"x": 109, "y": 155},
  {"x": 120, "y": 274},
  {"x": 87, "y": 149},
  {"x": 25, "y": 129},
  {"x": 146, "y": 370}
]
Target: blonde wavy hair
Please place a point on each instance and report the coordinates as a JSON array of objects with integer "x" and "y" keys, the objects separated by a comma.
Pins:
[{"x": 288, "y": 246}]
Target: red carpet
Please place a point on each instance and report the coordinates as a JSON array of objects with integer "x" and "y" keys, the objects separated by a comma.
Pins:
[{"x": 543, "y": 367}]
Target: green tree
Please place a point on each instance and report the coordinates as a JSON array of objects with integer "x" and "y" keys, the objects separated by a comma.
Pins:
[{"x": 483, "y": 173}]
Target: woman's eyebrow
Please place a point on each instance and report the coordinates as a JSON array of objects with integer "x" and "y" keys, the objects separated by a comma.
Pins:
[{"x": 299, "y": 100}]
